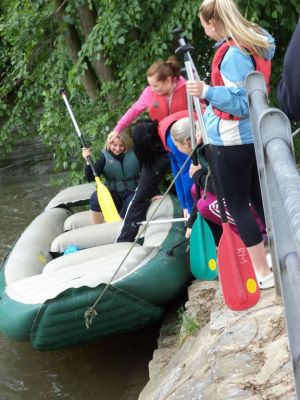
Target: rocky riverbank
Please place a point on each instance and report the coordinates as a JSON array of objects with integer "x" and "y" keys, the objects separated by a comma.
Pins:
[{"x": 230, "y": 355}]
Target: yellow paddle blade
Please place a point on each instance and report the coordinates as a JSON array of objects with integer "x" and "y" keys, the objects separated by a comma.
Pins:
[{"x": 106, "y": 202}]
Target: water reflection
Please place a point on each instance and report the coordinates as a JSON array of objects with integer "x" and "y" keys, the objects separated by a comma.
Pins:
[{"x": 109, "y": 369}]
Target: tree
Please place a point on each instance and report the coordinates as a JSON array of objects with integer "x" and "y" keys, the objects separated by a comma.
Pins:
[{"x": 99, "y": 50}]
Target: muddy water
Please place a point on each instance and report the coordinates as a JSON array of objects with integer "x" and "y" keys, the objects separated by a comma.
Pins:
[{"x": 111, "y": 369}]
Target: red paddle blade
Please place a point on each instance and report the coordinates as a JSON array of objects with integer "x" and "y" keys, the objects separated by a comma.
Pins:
[{"x": 236, "y": 273}]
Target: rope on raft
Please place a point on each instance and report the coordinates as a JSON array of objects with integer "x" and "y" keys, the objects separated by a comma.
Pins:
[{"x": 91, "y": 312}]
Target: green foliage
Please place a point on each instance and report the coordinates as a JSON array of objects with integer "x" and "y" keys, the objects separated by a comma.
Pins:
[
  {"x": 187, "y": 325},
  {"x": 278, "y": 17},
  {"x": 297, "y": 146},
  {"x": 128, "y": 37}
]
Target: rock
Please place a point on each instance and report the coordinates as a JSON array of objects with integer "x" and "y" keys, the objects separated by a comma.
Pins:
[{"x": 234, "y": 355}]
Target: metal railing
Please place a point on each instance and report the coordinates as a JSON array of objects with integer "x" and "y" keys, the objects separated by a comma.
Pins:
[{"x": 280, "y": 185}]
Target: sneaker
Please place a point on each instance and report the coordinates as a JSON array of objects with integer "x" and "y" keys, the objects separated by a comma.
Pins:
[
  {"x": 265, "y": 282},
  {"x": 269, "y": 261}
]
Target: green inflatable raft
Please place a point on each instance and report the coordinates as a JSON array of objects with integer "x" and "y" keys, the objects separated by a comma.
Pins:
[{"x": 44, "y": 294}]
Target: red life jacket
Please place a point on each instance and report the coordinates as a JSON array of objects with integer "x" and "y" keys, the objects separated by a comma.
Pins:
[
  {"x": 166, "y": 123},
  {"x": 261, "y": 64},
  {"x": 160, "y": 109}
]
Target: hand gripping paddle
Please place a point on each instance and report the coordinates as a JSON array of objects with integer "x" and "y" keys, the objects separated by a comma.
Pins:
[{"x": 106, "y": 202}]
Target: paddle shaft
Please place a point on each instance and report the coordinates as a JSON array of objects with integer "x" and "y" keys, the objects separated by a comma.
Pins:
[
  {"x": 188, "y": 65},
  {"x": 182, "y": 42},
  {"x": 79, "y": 134},
  {"x": 162, "y": 221},
  {"x": 202, "y": 244},
  {"x": 105, "y": 199}
]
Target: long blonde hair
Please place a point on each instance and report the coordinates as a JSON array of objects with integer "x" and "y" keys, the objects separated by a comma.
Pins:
[{"x": 230, "y": 23}]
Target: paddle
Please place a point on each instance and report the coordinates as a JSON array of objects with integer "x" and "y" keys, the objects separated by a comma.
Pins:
[
  {"x": 236, "y": 273},
  {"x": 203, "y": 256},
  {"x": 106, "y": 202}
]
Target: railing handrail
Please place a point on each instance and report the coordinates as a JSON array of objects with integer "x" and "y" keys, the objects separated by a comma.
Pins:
[{"x": 280, "y": 186}]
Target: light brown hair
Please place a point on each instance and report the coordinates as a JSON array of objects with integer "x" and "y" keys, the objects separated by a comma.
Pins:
[{"x": 165, "y": 69}]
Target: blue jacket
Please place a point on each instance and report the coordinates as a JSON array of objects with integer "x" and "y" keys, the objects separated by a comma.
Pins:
[{"x": 232, "y": 98}]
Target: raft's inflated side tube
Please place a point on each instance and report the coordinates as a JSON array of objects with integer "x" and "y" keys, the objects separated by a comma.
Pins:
[
  {"x": 76, "y": 274},
  {"x": 31, "y": 252},
  {"x": 86, "y": 237},
  {"x": 78, "y": 220},
  {"x": 118, "y": 312},
  {"x": 72, "y": 196}
]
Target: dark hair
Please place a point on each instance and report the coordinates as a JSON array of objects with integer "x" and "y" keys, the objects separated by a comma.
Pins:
[{"x": 147, "y": 144}]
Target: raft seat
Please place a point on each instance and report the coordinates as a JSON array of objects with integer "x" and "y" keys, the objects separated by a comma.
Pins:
[
  {"x": 78, "y": 220},
  {"x": 86, "y": 237},
  {"x": 89, "y": 267},
  {"x": 101, "y": 234},
  {"x": 103, "y": 257}
]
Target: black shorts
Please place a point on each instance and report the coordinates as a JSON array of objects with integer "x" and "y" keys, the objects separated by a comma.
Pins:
[{"x": 121, "y": 201}]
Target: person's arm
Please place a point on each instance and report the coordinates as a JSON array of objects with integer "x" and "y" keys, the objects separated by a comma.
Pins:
[
  {"x": 99, "y": 167},
  {"x": 178, "y": 182},
  {"x": 197, "y": 177},
  {"x": 193, "y": 216},
  {"x": 232, "y": 98},
  {"x": 288, "y": 90},
  {"x": 135, "y": 110}
]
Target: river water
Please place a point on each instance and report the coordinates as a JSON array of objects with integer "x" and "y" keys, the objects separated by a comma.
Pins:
[{"x": 115, "y": 368}]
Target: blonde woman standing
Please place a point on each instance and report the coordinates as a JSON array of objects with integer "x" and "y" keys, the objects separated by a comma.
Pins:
[{"x": 241, "y": 47}]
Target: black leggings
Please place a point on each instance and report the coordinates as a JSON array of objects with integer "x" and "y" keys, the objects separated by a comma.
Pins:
[
  {"x": 149, "y": 180},
  {"x": 238, "y": 182}
]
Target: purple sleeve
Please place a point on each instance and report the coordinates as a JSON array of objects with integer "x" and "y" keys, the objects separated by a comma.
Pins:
[
  {"x": 143, "y": 102},
  {"x": 288, "y": 90}
]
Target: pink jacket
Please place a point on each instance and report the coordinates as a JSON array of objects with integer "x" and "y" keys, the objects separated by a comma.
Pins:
[{"x": 143, "y": 103}]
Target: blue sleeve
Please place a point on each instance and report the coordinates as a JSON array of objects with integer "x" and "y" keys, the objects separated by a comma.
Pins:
[
  {"x": 183, "y": 182},
  {"x": 232, "y": 97},
  {"x": 288, "y": 90},
  {"x": 178, "y": 183}
]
